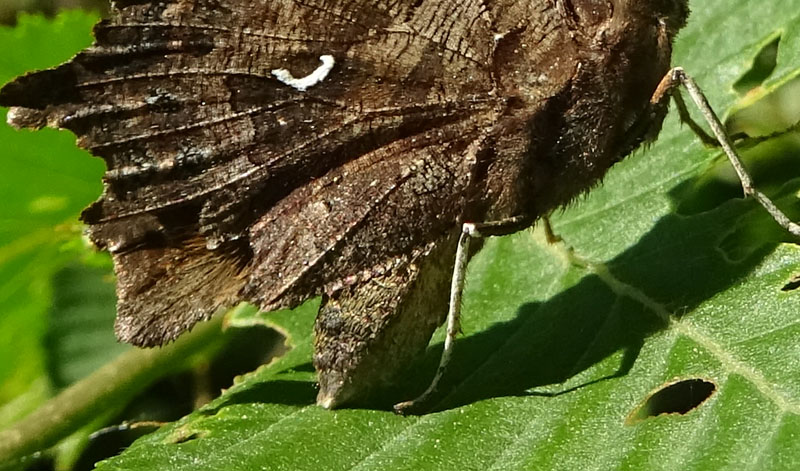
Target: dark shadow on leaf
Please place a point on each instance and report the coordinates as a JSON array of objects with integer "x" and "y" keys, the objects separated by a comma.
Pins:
[
  {"x": 678, "y": 265},
  {"x": 769, "y": 163},
  {"x": 292, "y": 393},
  {"x": 304, "y": 368},
  {"x": 547, "y": 343}
]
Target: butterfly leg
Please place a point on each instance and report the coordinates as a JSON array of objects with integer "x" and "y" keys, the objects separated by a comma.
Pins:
[
  {"x": 549, "y": 233},
  {"x": 468, "y": 232},
  {"x": 667, "y": 87}
]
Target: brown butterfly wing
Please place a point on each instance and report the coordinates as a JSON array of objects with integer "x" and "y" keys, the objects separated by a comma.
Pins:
[
  {"x": 218, "y": 171},
  {"x": 364, "y": 216}
]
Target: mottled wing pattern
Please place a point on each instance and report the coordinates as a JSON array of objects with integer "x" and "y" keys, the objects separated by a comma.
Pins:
[
  {"x": 226, "y": 183},
  {"x": 359, "y": 219}
]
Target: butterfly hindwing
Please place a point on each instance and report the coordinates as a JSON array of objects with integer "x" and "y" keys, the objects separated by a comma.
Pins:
[{"x": 205, "y": 142}]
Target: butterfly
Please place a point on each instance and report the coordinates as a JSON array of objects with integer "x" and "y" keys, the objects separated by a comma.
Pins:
[{"x": 271, "y": 151}]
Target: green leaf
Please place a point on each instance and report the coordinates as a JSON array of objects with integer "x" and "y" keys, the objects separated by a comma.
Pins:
[
  {"x": 46, "y": 181},
  {"x": 80, "y": 337}
]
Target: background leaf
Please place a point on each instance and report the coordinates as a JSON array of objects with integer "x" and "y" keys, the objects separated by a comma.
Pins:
[
  {"x": 662, "y": 276},
  {"x": 46, "y": 181},
  {"x": 77, "y": 341}
]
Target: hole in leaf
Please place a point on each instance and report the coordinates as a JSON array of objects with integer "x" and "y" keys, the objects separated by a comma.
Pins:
[
  {"x": 793, "y": 284},
  {"x": 763, "y": 65},
  {"x": 679, "y": 397}
]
